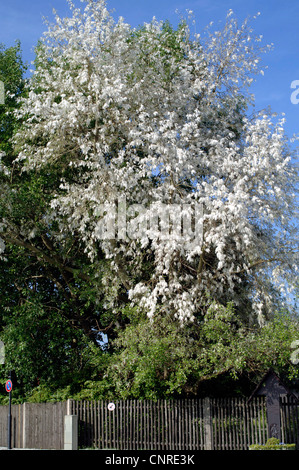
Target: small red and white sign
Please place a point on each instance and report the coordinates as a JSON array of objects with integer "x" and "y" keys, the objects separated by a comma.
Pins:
[{"x": 111, "y": 407}]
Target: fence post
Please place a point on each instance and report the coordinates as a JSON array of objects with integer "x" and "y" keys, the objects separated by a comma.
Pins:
[
  {"x": 69, "y": 407},
  {"x": 71, "y": 432},
  {"x": 208, "y": 425}
]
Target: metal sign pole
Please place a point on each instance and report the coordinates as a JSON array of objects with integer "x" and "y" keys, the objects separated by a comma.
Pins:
[
  {"x": 8, "y": 387},
  {"x": 9, "y": 423}
]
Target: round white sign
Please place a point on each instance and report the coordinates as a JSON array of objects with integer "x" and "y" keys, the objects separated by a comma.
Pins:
[{"x": 111, "y": 407}]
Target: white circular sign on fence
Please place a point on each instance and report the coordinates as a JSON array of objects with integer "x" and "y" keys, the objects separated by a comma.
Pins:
[{"x": 111, "y": 407}]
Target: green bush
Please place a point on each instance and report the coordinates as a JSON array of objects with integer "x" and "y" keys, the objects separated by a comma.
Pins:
[{"x": 272, "y": 444}]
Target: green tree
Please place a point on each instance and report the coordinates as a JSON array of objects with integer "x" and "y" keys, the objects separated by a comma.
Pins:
[
  {"x": 159, "y": 118},
  {"x": 219, "y": 355},
  {"x": 12, "y": 70},
  {"x": 42, "y": 299}
]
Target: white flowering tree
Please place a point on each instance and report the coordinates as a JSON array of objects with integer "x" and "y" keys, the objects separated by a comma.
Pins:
[{"x": 156, "y": 118}]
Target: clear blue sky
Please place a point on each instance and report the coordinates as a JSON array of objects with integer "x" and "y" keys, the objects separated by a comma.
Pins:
[{"x": 278, "y": 23}]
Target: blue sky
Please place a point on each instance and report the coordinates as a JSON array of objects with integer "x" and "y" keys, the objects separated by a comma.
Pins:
[{"x": 278, "y": 23}]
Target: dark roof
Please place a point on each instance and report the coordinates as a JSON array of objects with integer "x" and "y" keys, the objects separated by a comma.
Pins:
[{"x": 269, "y": 377}]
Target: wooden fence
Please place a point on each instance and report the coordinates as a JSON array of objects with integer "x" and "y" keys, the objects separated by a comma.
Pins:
[
  {"x": 189, "y": 424},
  {"x": 136, "y": 424},
  {"x": 236, "y": 424},
  {"x": 34, "y": 425},
  {"x": 289, "y": 410}
]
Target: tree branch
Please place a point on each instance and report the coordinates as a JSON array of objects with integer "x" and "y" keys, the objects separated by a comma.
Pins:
[{"x": 53, "y": 261}]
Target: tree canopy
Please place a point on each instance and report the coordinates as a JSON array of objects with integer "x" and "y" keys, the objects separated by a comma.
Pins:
[{"x": 139, "y": 200}]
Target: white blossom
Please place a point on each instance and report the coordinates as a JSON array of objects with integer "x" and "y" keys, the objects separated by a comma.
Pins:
[{"x": 115, "y": 109}]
